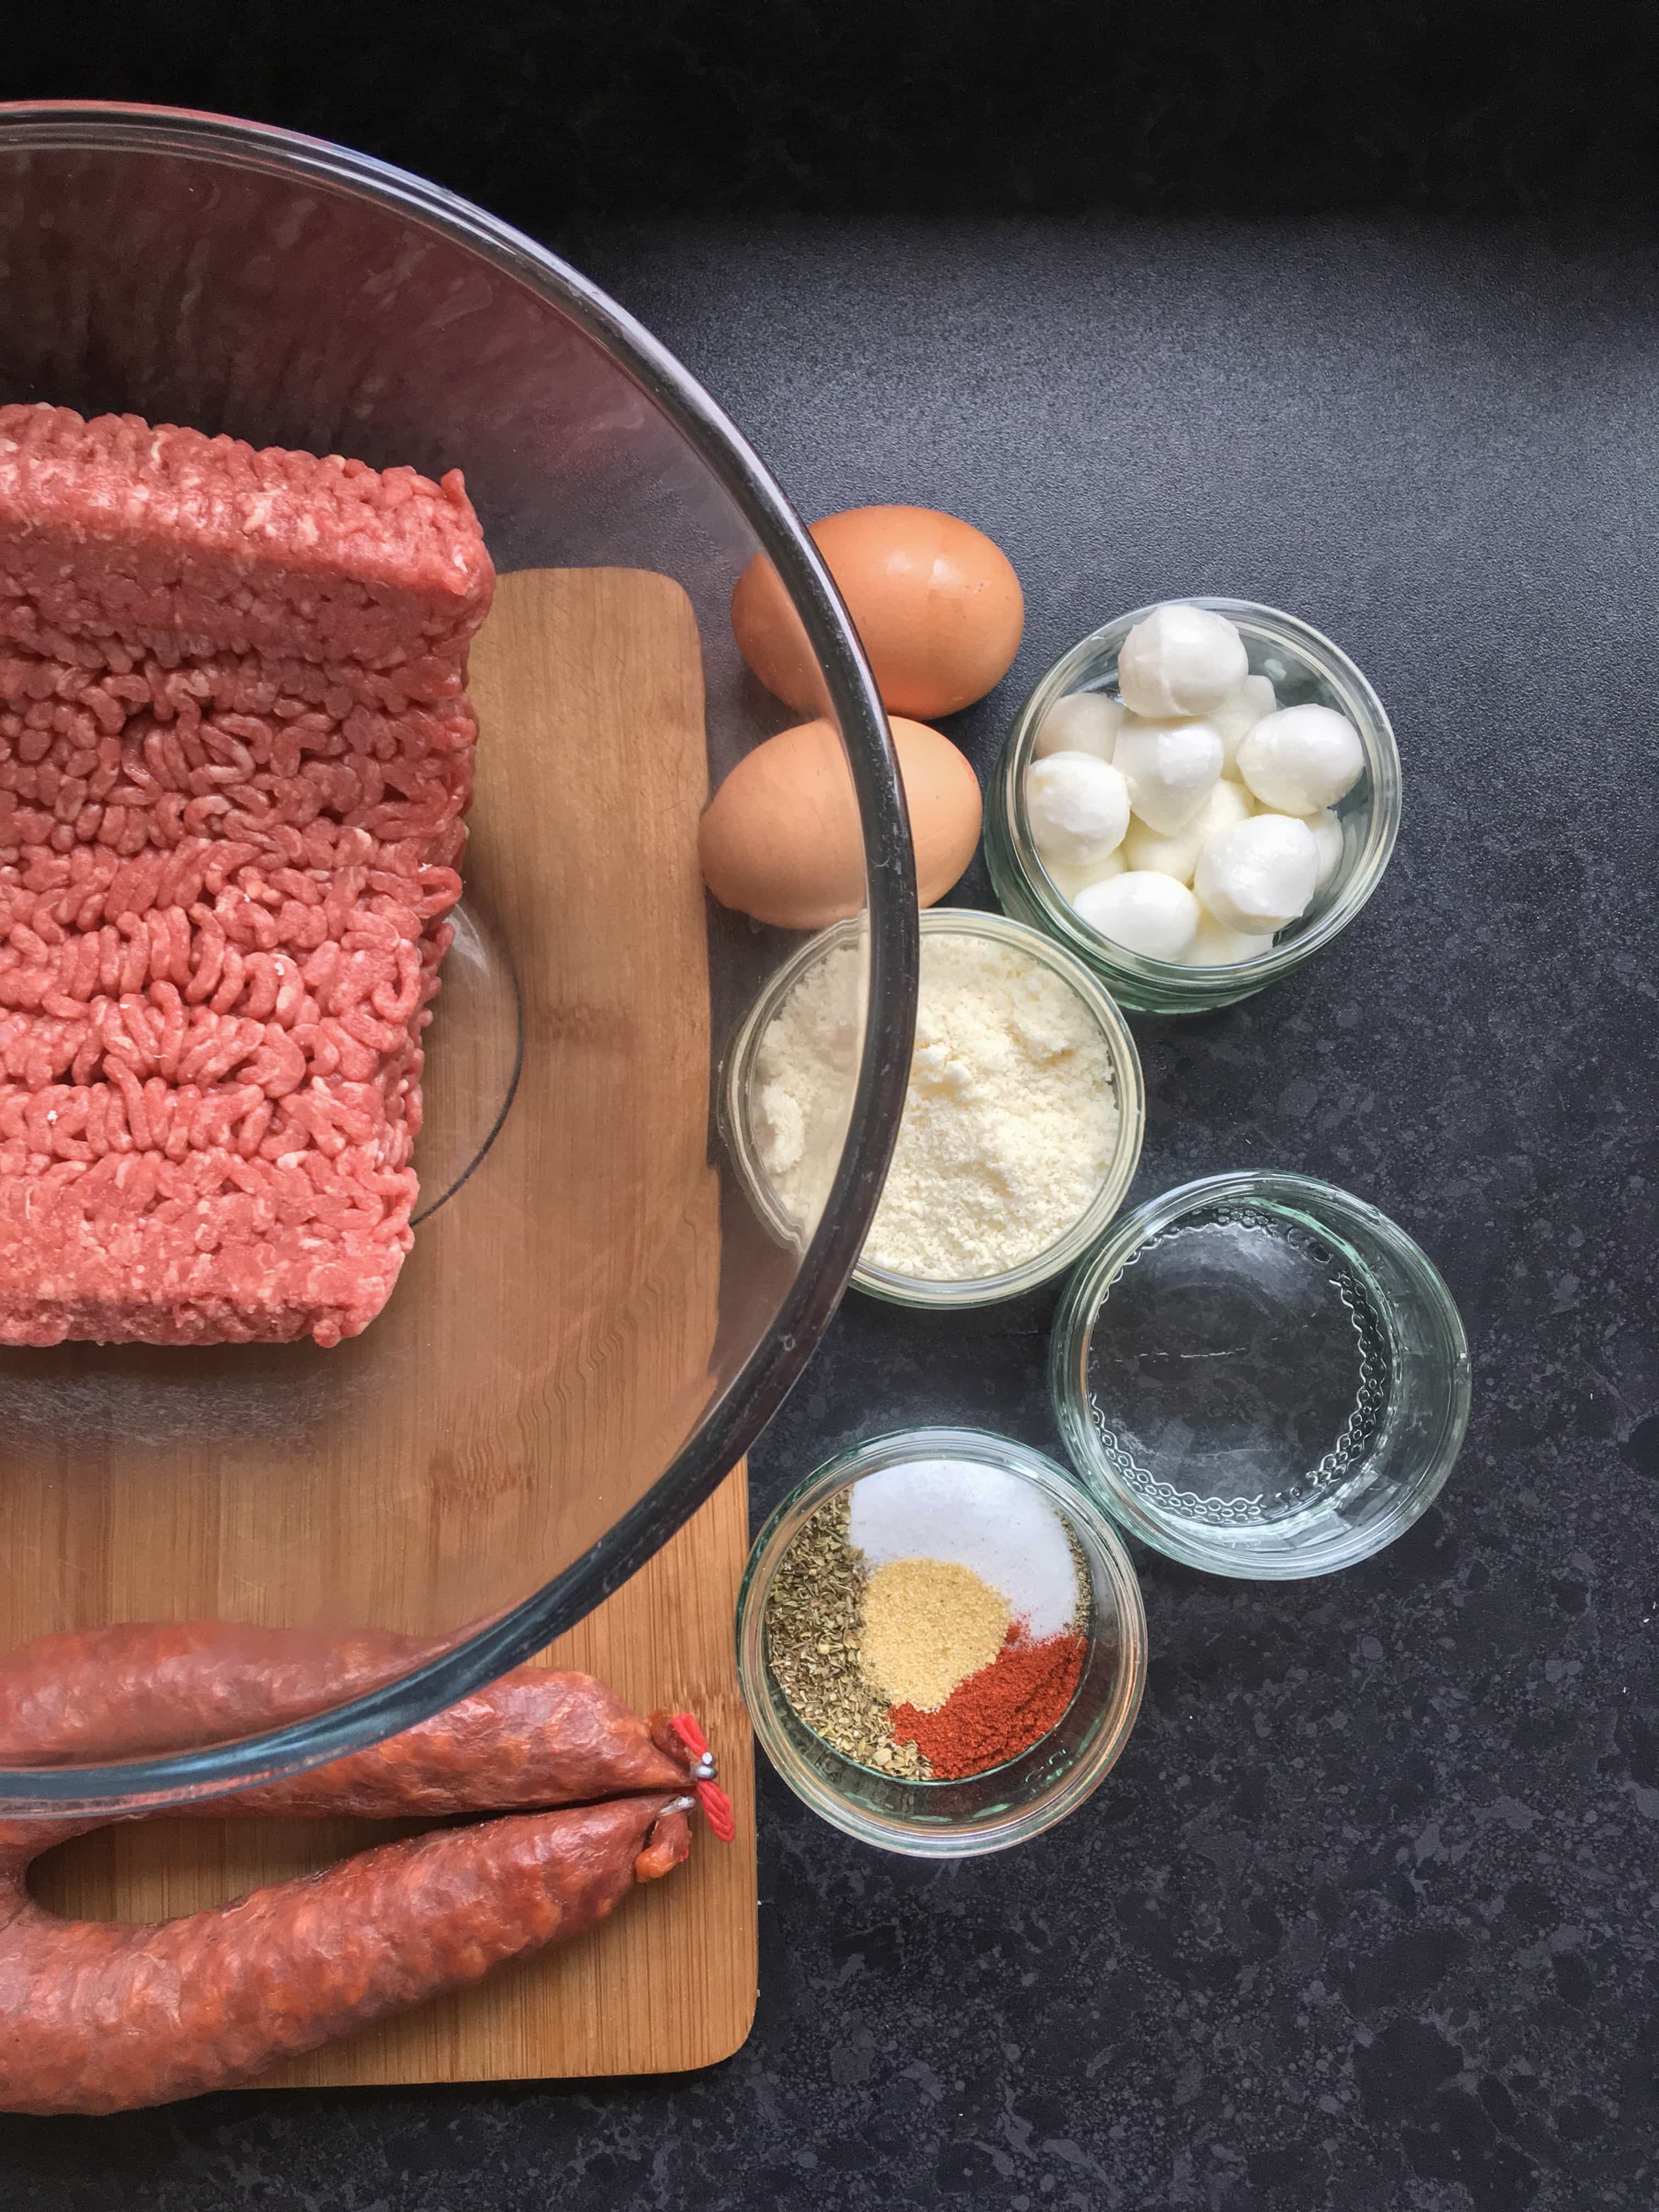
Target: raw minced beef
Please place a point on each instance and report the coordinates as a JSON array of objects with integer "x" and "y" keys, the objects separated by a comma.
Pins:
[
  {"x": 164, "y": 535},
  {"x": 226, "y": 856}
]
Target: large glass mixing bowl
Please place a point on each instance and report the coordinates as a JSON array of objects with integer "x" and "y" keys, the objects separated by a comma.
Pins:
[{"x": 593, "y": 1325}]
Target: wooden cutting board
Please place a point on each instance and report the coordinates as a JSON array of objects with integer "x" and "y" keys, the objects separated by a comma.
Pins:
[
  {"x": 667, "y": 1984},
  {"x": 592, "y": 772}
]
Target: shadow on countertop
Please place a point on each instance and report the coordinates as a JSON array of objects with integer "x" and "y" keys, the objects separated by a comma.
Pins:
[{"x": 927, "y": 107}]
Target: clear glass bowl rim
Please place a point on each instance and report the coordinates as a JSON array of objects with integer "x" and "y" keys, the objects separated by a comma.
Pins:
[
  {"x": 1333, "y": 1211},
  {"x": 1127, "y": 1077},
  {"x": 1172, "y": 977},
  {"x": 1064, "y": 1488},
  {"x": 765, "y": 1378}
]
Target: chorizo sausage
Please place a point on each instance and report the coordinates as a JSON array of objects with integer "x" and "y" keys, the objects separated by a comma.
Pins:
[
  {"x": 537, "y": 1737},
  {"x": 144, "y": 1687},
  {"x": 101, "y": 2018}
]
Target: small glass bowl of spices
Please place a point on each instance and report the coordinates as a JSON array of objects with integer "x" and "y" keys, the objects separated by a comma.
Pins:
[
  {"x": 1021, "y": 1123},
  {"x": 941, "y": 1642},
  {"x": 1261, "y": 1376},
  {"x": 1195, "y": 799}
]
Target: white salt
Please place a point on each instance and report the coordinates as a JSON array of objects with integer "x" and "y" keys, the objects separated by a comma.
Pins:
[{"x": 998, "y": 1526}]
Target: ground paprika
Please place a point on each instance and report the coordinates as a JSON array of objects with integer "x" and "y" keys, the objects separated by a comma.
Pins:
[{"x": 999, "y": 1711}]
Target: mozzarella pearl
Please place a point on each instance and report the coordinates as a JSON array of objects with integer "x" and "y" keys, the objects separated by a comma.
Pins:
[
  {"x": 1149, "y": 914},
  {"x": 1078, "y": 806},
  {"x": 1238, "y": 713},
  {"x": 1180, "y": 660},
  {"x": 1216, "y": 947},
  {"x": 1258, "y": 875},
  {"x": 1170, "y": 768},
  {"x": 1069, "y": 881},
  {"x": 1082, "y": 722},
  {"x": 1177, "y": 854},
  {"x": 1328, "y": 835},
  {"x": 1301, "y": 759}
]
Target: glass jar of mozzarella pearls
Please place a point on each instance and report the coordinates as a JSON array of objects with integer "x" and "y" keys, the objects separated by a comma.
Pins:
[{"x": 1250, "y": 808}]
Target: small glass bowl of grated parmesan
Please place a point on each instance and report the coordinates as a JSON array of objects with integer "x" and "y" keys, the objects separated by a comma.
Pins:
[{"x": 1022, "y": 1124}]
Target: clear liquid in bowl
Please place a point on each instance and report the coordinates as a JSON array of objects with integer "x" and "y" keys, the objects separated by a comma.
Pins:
[{"x": 1238, "y": 1370}]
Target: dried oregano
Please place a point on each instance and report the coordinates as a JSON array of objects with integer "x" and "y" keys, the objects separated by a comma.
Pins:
[{"x": 813, "y": 1613}]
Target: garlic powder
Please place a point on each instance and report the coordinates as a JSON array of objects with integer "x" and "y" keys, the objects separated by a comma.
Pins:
[{"x": 1010, "y": 1121}]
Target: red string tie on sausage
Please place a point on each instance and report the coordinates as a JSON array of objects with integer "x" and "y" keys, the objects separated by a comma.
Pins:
[{"x": 716, "y": 1805}]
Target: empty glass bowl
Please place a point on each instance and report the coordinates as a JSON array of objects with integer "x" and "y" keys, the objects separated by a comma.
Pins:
[
  {"x": 587, "y": 1334},
  {"x": 1305, "y": 668},
  {"x": 1260, "y": 1376},
  {"x": 1010, "y": 1803}
]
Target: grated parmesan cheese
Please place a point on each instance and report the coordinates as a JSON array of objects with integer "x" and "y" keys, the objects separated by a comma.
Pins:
[{"x": 1010, "y": 1122}]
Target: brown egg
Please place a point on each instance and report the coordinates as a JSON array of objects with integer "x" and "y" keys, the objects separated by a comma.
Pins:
[
  {"x": 937, "y": 607},
  {"x": 780, "y": 839}
]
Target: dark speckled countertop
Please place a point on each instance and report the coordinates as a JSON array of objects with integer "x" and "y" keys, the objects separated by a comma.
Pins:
[{"x": 1368, "y": 1916}]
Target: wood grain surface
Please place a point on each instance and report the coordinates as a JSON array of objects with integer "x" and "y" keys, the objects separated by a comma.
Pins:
[
  {"x": 667, "y": 1984},
  {"x": 543, "y": 1355},
  {"x": 547, "y": 1346}
]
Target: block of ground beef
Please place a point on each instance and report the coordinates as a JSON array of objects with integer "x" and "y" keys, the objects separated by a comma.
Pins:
[
  {"x": 224, "y": 874},
  {"x": 169, "y": 539}
]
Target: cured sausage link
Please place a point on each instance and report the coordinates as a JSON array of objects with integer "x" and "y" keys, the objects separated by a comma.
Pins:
[
  {"x": 537, "y": 1737},
  {"x": 101, "y": 2018},
  {"x": 141, "y": 1688}
]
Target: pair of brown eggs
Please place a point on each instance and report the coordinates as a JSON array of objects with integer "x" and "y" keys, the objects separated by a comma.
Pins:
[{"x": 939, "y": 612}]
